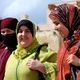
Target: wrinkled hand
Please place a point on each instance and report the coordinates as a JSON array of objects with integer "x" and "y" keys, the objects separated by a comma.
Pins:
[
  {"x": 36, "y": 65},
  {"x": 72, "y": 59}
]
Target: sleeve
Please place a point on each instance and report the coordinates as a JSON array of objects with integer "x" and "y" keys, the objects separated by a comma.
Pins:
[
  {"x": 48, "y": 58},
  {"x": 51, "y": 71}
]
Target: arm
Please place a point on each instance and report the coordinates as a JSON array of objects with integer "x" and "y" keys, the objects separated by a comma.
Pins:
[
  {"x": 47, "y": 68},
  {"x": 46, "y": 65}
]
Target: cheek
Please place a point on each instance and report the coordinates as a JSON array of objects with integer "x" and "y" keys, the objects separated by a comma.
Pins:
[
  {"x": 59, "y": 26},
  {"x": 30, "y": 38},
  {"x": 19, "y": 37},
  {"x": 62, "y": 29},
  {"x": 65, "y": 31}
]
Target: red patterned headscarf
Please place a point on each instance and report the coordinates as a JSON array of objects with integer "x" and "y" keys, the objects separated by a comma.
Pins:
[{"x": 68, "y": 14}]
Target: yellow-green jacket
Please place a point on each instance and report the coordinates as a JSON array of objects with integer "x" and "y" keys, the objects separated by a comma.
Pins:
[{"x": 17, "y": 69}]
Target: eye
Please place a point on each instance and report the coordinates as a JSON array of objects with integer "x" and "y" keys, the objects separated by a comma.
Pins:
[
  {"x": 27, "y": 31},
  {"x": 20, "y": 31},
  {"x": 2, "y": 31},
  {"x": 56, "y": 22}
]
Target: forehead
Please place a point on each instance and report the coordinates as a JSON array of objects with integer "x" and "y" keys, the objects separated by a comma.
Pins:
[
  {"x": 6, "y": 29},
  {"x": 23, "y": 27}
]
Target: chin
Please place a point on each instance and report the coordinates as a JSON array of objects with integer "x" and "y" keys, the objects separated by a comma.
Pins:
[{"x": 24, "y": 45}]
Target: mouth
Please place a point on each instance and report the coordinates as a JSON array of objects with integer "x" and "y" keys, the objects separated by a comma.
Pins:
[{"x": 24, "y": 38}]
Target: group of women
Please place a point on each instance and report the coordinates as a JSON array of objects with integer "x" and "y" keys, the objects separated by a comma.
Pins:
[{"x": 19, "y": 46}]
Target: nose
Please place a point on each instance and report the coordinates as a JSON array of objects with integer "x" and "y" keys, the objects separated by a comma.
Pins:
[{"x": 23, "y": 33}]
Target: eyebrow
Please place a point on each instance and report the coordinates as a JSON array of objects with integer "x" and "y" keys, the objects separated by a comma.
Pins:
[{"x": 55, "y": 20}]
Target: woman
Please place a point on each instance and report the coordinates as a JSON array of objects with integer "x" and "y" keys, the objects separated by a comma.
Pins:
[
  {"x": 21, "y": 64},
  {"x": 8, "y": 34},
  {"x": 9, "y": 42},
  {"x": 0, "y": 32},
  {"x": 67, "y": 22}
]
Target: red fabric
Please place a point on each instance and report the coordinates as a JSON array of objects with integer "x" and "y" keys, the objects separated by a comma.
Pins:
[
  {"x": 9, "y": 23},
  {"x": 4, "y": 54},
  {"x": 0, "y": 30},
  {"x": 63, "y": 66},
  {"x": 71, "y": 14}
]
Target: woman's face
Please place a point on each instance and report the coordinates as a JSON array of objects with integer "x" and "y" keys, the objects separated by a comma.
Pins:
[
  {"x": 60, "y": 27},
  {"x": 24, "y": 37}
]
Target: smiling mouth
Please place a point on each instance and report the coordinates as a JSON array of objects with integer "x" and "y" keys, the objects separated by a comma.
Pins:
[{"x": 24, "y": 38}]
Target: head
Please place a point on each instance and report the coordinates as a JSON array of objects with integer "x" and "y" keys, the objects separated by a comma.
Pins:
[
  {"x": 66, "y": 19},
  {"x": 8, "y": 26},
  {"x": 25, "y": 33}
]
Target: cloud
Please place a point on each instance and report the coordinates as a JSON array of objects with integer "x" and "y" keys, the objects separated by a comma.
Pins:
[
  {"x": 20, "y": 7},
  {"x": 35, "y": 9}
]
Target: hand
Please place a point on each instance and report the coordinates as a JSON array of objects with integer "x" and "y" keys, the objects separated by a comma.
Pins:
[
  {"x": 36, "y": 65},
  {"x": 72, "y": 59}
]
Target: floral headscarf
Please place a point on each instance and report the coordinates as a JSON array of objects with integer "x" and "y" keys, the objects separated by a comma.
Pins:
[{"x": 68, "y": 14}]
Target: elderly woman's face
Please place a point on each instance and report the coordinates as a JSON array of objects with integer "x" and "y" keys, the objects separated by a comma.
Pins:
[
  {"x": 57, "y": 25},
  {"x": 24, "y": 37}
]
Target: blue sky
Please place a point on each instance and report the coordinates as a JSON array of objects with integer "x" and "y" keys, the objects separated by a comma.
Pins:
[{"x": 35, "y": 9}]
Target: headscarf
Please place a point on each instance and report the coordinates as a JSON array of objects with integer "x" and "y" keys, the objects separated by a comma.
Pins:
[
  {"x": 21, "y": 52},
  {"x": 68, "y": 14},
  {"x": 26, "y": 23},
  {"x": 0, "y": 30},
  {"x": 9, "y": 23},
  {"x": 9, "y": 40}
]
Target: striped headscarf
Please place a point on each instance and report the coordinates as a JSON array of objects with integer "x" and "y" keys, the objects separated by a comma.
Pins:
[{"x": 68, "y": 14}]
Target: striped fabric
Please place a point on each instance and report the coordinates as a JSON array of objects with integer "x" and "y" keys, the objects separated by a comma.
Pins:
[{"x": 68, "y": 14}]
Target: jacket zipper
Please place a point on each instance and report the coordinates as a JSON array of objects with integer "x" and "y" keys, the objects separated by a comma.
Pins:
[{"x": 17, "y": 70}]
